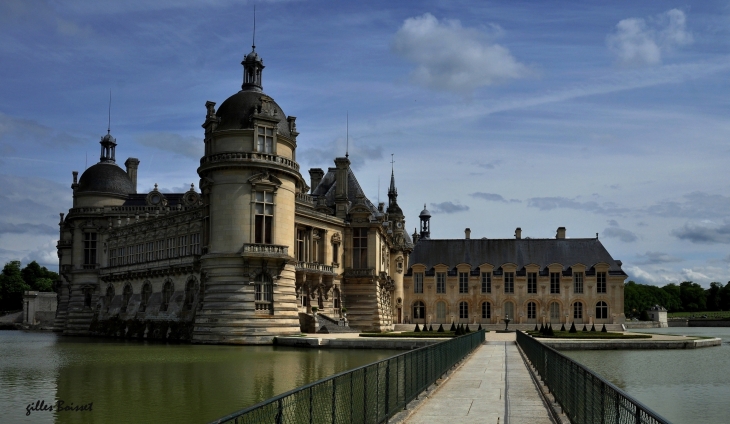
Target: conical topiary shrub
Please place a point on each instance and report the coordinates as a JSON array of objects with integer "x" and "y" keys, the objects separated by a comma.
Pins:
[
  {"x": 417, "y": 329},
  {"x": 441, "y": 329},
  {"x": 585, "y": 328},
  {"x": 453, "y": 327},
  {"x": 550, "y": 331},
  {"x": 603, "y": 330},
  {"x": 536, "y": 328},
  {"x": 542, "y": 327},
  {"x": 572, "y": 328},
  {"x": 480, "y": 327},
  {"x": 430, "y": 328},
  {"x": 593, "y": 328},
  {"x": 467, "y": 330},
  {"x": 562, "y": 327}
]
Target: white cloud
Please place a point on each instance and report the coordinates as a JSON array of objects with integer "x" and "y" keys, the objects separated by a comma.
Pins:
[
  {"x": 704, "y": 232},
  {"x": 448, "y": 207},
  {"x": 550, "y": 203},
  {"x": 636, "y": 42},
  {"x": 657, "y": 258},
  {"x": 450, "y": 57},
  {"x": 324, "y": 157},
  {"x": 493, "y": 197}
]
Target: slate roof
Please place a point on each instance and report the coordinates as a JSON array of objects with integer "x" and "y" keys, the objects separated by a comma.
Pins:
[
  {"x": 521, "y": 252},
  {"x": 328, "y": 185},
  {"x": 105, "y": 177},
  {"x": 173, "y": 199},
  {"x": 236, "y": 111}
]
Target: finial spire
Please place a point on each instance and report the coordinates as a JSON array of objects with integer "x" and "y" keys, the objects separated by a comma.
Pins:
[
  {"x": 253, "y": 40},
  {"x": 109, "y": 121},
  {"x": 392, "y": 161},
  {"x": 347, "y": 135}
]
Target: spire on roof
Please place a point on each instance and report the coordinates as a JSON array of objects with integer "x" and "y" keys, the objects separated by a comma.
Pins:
[
  {"x": 253, "y": 64},
  {"x": 393, "y": 207},
  {"x": 108, "y": 143}
]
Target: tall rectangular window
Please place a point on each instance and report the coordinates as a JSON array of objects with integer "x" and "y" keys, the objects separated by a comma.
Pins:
[
  {"x": 195, "y": 244},
  {"x": 171, "y": 247},
  {"x": 440, "y": 282},
  {"x": 160, "y": 249},
  {"x": 89, "y": 248},
  {"x": 486, "y": 282},
  {"x": 121, "y": 258},
  {"x": 360, "y": 249},
  {"x": 463, "y": 282},
  {"x": 509, "y": 282},
  {"x": 140, "y": 253},
  {"x": 130, "y": 254},
  {"x": 531, "y": 282},
  {"x": 335, "y": 253},
  {"x": 418, "y": 282},
  {"x": 555, "y": 283},
  {"x": 112, "y": 257},
  {"x": 578, "y": 282},
  {"x": 265, "y": 141},
  {"x": 300, "y": 246},
  {"x": 264, "y": 217},
  {"x": 182, "y": 246},
  {"x": 151, "y": 251},
  {"x": 601, "y": 282}
]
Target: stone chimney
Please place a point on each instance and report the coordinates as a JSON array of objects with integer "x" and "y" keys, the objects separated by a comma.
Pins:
[
  {"x": 315, "y": 177},
  {"x": 132, "y": 164},
  {"x": 342, "y": 198},
  {"x": 561, "y": 233},
  {"x": 518, "y": 233},
  {"x": 467, "y": 233}
]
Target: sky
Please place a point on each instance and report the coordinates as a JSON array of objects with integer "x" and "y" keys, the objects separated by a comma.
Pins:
[{"x": 601, "y": 117}]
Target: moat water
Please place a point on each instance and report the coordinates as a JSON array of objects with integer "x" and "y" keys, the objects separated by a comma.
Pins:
[
  {"x": 130, "y": 381},
  {"x": 683, "y": 386}
]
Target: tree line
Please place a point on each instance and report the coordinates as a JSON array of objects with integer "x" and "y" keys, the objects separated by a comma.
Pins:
[
  {"x": 685, "y": 297},
  {"x": 14, "y": 280}
]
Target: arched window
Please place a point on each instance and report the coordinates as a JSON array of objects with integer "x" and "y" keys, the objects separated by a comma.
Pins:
[
  {"x": 601, "y": 310},
  {"x": 146, "y": 293},
  {"x": 463, "y": 310},
  {"x": 126, "y": 297},
  {"x": 554, "y": 311},
  {"x": 419, "y": 310},
  {"x": 441, "y": 311},
  {"x": 190, "y": 290},
  {"x": 167, "y": 290},
  {"x": 509, "y": 310},
  {"x": 486, "y": 310},
  {"x": 109, "y": 297},
  {"x": 577, "y": 310},
  {"x": 531, "y": 310},
  {"x": 264, "y": 298}
]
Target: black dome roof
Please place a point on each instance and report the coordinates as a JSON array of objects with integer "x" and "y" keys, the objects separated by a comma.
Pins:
[
  {"x": 105, "y": 177},
  {"x": 236, "y": 111}
]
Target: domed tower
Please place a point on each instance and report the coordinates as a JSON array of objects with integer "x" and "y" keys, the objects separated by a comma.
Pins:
[
  {"x": 83, "y": 234},
  {"x": 425, "y": 217},
  {"x": 249, "y": 178}
]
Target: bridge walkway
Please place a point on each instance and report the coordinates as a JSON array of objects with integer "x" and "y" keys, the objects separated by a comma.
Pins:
[{"x": 492, "y": 386}]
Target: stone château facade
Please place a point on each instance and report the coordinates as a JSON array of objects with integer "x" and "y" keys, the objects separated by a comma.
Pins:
[
  {"x": 249, "y": 255},
  {"x": 241, "y": 261}
]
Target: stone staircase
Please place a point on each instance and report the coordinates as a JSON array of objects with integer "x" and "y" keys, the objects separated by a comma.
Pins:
[{"x": 333, "y": 325}]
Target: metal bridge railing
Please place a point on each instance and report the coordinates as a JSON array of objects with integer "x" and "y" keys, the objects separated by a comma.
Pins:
[
  {"x": 584, "y": 396},
  {"x": 369, "y": 394}
]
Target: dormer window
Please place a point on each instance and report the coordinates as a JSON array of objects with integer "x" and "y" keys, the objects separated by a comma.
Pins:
[{"x": 265, "y": 140}]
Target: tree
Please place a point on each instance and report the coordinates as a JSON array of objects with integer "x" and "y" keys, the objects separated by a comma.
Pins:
[
  {"x": 38, "y": 277},
  {"x": 12, "y": 286},
  {"x": 712, "y": 296},
  {"x": 725, "y": 297},
  {"x": 693, "y": 296}
]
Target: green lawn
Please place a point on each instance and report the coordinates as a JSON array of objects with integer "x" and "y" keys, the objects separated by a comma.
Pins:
[
  {"x": 700, "y": 315},
  {"x": 590, "y": 335}
]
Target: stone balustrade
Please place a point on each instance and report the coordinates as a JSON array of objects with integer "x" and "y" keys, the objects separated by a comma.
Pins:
[{"x": 249, "y": 157}]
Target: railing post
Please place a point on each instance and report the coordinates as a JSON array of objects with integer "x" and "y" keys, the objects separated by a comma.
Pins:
[
  {"x": 365, "y": 395},
  {"x": 387, "y": 391},
  {"x": 280, "y": 413},
  {"x": 334, "y": 399},
  {"x": 311, "y": 406}
]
